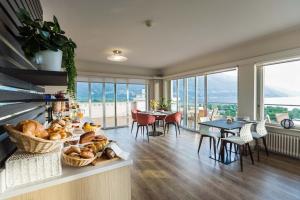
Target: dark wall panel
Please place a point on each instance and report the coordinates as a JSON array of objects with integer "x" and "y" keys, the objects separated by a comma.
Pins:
[{"x": 19, "y": 99}]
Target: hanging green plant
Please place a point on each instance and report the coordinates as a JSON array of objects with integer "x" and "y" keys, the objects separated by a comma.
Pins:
[{"x": 38, "y": 35}]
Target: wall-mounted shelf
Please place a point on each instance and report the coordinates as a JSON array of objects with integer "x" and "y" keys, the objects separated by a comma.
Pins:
[{"x": 37, "y": 77}]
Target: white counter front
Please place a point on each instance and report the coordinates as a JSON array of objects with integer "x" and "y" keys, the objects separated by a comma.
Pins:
[{"x": 69, "y": 174}]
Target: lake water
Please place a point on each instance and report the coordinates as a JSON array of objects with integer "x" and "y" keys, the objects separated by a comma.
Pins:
[{"x": 292, "y": 101}]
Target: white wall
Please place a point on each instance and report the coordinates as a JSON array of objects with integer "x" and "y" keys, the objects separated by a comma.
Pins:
[
  {"x": 274, "y": 43},
  {"x": 88, "y": 66},
  {"x": 247, "y": 91}
]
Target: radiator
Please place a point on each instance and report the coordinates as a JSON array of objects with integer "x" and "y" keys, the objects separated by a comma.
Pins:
[{"x": 284, "y": 144}]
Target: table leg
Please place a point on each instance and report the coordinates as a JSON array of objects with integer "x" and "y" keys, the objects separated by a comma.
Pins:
[{"x": 222, "y": 150}]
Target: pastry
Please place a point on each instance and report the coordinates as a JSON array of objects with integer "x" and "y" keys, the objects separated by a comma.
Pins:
[
  {"x": 86, "y": 154},
  {"x": 90, "y": 127},
  {"x": 55, "y": 136},
  {"x": 92, "y": 147},
  {"x": 75, "y": 155},
  {"x": 32, "y": 128},
  {"x": 63, "y": 134},
  {"x": 73, "y": 149},
  {"x": 99, "y": 138},
  {"x": 110, "y": 153},
  {"x": 87, "y": 137}
]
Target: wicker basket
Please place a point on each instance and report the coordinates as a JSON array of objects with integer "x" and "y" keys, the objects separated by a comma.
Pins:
[
  {"x": 32, "y": 144},
  {"x": 76, "y": 162}
]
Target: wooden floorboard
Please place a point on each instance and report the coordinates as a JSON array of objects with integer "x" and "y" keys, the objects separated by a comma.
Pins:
[{"x": 170, "y": 168}]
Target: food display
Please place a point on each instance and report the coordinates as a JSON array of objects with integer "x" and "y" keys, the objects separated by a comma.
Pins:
[
  {"x": 80, "y": 150},
  {"x": 34, "y": 129},
  {"x": 90, "y": 127},
  {"x": 78, "y": 156}
]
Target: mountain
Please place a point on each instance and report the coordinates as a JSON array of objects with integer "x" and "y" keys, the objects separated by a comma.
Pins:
[{"x": 221, "y": 88}]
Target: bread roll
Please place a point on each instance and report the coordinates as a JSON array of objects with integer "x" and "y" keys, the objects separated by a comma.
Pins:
[
  {"x": 87, "y": 137},
  {"x": 73, "y": 149},
  {"x": 55, "y": 136},
  {"x": 87, "y": 154},
  {"x": 33, "y": 128}
]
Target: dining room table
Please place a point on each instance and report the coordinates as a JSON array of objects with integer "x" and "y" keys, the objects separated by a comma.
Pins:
[
  {"x": 157, "y": 114},
  {"x": 225, "y": 127}
]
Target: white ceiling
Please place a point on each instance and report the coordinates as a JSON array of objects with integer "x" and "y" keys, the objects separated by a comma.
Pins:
[{"x": 182, "y": 29}]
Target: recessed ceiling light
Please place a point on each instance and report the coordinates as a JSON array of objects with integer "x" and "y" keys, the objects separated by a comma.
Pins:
[{"x": 117, "y": 57}]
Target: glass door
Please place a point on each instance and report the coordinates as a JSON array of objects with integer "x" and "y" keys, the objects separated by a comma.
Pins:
[
  {"x": 97, "y": 103},
  {"x": 121, "y": 104},
  {"x": 83, "y": 97},
  {"x": 109, "y": 105},
  {"x": 191, "y": 100}
]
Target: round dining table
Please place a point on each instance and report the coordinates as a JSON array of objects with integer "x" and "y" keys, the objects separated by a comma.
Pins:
[{"x": 157, "y": 115}]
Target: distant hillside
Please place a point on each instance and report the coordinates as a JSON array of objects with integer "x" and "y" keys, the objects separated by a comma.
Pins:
[{"x": 220, "y": 89}]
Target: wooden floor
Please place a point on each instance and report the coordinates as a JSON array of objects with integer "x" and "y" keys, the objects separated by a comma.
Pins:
[{"x": 170, "y": 168}]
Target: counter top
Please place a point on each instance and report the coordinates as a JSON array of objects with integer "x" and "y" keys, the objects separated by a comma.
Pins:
[{"x": 68, "y": 174}]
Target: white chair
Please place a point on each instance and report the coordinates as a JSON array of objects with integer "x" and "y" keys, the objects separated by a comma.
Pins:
[
  {"x": 205, "y": 131},
  {"x": 241, "y": 141},
  {"x": 260, "y": 133},
  {"x": 236, "y": 131}
]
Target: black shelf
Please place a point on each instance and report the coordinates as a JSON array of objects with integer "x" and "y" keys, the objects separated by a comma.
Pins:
[
  {"x": 55, "y": 100},
  {"x": 37, "y": 77}
]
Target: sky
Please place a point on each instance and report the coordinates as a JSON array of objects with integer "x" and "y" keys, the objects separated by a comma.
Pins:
[{"x": 284, "y": 76}]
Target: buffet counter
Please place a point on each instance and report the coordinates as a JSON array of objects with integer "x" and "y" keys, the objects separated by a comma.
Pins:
[{"x": 109, "y": 181}]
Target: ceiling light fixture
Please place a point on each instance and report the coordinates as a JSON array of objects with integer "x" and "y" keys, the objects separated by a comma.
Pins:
[{"x": 117, "y": 57}]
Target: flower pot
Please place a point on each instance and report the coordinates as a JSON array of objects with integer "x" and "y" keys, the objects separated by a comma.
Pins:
[{"x": 48, "y": 60}]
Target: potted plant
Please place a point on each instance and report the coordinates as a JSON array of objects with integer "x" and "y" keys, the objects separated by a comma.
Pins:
[
  {"x": 165, "y": 104},
  {"x": 44, "y": 43},
  {"x": 154, "y": 104}
]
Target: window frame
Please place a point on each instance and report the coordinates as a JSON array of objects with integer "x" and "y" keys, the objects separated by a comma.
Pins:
[{"x": 205, "y": 87}]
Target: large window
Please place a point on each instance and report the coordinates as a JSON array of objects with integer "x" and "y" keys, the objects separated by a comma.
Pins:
[
  {"x": 282, "y": 92},
  {"x": 108, "y": 103},
  {"x": 211, "y": 96},
  {"x": 83, "y": 97},
  {"x": 222, "y": 94},
  {"x": 97, "y": 102}
]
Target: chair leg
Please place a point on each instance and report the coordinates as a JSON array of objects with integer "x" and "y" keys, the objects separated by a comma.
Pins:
[
  {"x": 132, "y": 126},
  {"x": 137, "y": 131},
  {"x": 218, "y": 141},
  {"x": 200, "y": 142},
  {"x": 168, "y": 128},
  {"x": 235, "y": 148},
  {"x": 241, "y": 156},
  {"x": 257, "y": 148},
  {"x": 147, "y": 133},
  {"x": 221, "y": 154},
  {"x": 265, "y": 144},
  {"x": 143, "y": 131},
  {"x": 215, "y": 148},
  {"x": 209, "y": 145},
  {"x": 178, "y": 128},
  {"x": 165, "y": 126},
  {"x": 175, "y": 129},
  {"x": 250, "y": 152}
]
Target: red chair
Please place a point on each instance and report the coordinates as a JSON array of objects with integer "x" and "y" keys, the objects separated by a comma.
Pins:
[
  {"x": 133, "y": 116},
  {"x": 160, "y": 118},
  {"x": 174, "y": 119},
  {"x": 144, "y": 120}
]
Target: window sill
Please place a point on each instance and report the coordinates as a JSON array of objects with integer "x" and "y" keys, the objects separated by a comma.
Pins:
[{"x": 278, "y": 129}]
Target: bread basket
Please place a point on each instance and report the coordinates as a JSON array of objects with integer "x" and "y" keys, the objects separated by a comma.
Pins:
[
  {"x": 76, "y": 162},
  {"x": 32, "y": 144}
]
